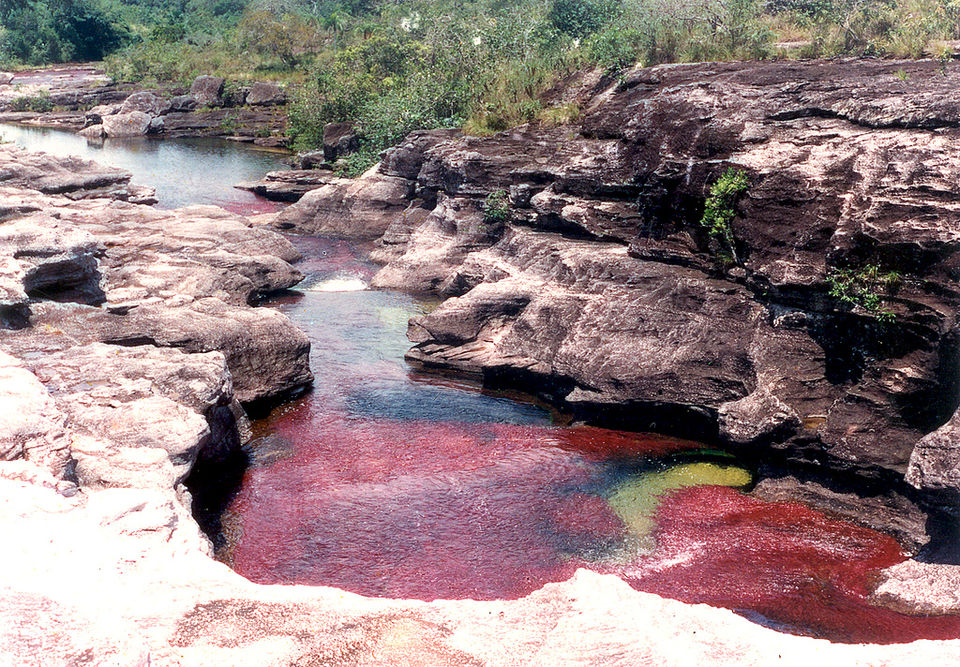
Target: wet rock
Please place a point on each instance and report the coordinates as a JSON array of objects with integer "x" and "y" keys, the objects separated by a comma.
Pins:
[
  {"x": 146, "y": 102},
  {"x": 132, "y": 124},
  {"x": 289, "y": 185},
  {"x": 5, "y": 78},
  {"x": 207, "y": 90},
  {"x": 339, "y": 139},
  {"x": 93, "y": 132},
  {"x": 156, "y": 125},
  {"x": 266, "y": 94}
]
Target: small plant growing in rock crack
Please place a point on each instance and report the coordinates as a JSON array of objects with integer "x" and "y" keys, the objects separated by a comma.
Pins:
[
  {"x": 720, "y": 209},
  {"x": 861, "y": 287},
  {"x": 496, "y": 207}
]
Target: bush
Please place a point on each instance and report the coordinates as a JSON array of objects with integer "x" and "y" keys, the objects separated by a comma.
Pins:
[
  {"x": 720, "y": 207},
  {"x": 861, "y": 288},
  {"x": 496, "y": 207}
]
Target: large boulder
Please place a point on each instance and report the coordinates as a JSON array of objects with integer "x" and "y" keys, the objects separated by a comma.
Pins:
[
  {"x": 357, "y": 208},
  {"x": 147, "y": 102},
  {"x": 207, "y": 90},
  {"x": 95, "y": 115},
  {"x": 133, "y": 124},
  {"x": 265, "y": 94},
  {"x": 5, "y": 78},
  {"x": 183, "y": 103}
]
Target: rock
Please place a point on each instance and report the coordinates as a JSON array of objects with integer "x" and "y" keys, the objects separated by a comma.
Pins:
[
  {"x": 600, "y": 289},
  {"x": 206, "y": 90},
  {"x": 71, "y": 176},
  {"x": 311, "y": 160},
  {"x": 6, "y": 78},
  {"x": 359, "y": 208},
  {"x": 93, "y": 132},
  {"x": 266, "y": 94},
  {"x": 32, "y": 428},
  {"x": 916, "y": 587},
  {"x": 289, "y": 185},
  {"x": 183, "y": 103},
  {"x": 156, "y": 125},
  {"x": 118, "y": 571},
  {"x": 56, "y": 261},
  {"x": 935, "y": 462},
  {"x": 95, "y": 115},
  {"x": 339, "y": 139},
  {"x": 146, "y": 102},
  {"x": 133, "y": 124}
]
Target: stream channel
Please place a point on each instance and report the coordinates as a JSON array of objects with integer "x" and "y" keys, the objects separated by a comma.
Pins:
[{"x": 385, "y": 481}]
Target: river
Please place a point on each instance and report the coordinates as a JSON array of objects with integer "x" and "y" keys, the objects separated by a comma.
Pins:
[{"x": 389, "y": 482}]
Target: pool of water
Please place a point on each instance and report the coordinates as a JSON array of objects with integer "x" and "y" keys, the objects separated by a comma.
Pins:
[
  {"x": 183, "y": 171},
  {"x": 386, "y": 481}
]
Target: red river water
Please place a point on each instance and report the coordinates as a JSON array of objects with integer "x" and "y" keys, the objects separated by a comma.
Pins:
[{"x": 389, "y": 483}]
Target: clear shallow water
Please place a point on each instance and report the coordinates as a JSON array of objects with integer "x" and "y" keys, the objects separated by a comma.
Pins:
[
  {"x": 183, "y": 171},
  {"x": 386, "y": 482}
]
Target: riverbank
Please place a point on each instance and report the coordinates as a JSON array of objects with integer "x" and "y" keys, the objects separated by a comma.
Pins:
[
  {"x": 131, "y": 349},
  {"x": 109, "y": 567},
  {"x": 80, "y": 98}
]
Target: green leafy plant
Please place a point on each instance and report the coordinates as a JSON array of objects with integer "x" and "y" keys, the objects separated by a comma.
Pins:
[
  {"x": 496, "y": 207},
  {"x": 38, "y": 103},
  {"x": 720, "y": 208},
  {"x": 861, "y": 287}
]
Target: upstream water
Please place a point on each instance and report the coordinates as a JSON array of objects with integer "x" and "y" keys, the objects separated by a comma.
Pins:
[
  {"x": 183, "y": 171},
  {"x": 388, "y": 482}
]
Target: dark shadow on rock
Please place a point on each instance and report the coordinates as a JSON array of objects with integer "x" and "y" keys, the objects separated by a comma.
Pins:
[{"x": 217, "y": 474}]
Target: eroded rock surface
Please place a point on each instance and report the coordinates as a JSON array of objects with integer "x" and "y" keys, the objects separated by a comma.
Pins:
[{"x": 600, "y": 287}]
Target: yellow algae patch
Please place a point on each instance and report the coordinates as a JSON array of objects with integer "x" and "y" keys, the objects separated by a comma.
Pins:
[{"x": 635, "y": 499}]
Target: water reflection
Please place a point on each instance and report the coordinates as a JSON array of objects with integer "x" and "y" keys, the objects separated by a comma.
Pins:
[{"x": 183, "y": 171}]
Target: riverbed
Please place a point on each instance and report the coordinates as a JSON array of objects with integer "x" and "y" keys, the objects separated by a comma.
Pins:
[{"x": 386, "y": 481}]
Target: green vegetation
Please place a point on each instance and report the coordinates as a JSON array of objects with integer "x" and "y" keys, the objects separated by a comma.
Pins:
[
  {"x": 861, "y": 288},
  {"x": 392, "y": 66},
  {"x": 496, "y": 207},
  {"x": 42, "y": 31},
  {"x": 37, "y": 103},
  {"x": 720, "y": 207}
]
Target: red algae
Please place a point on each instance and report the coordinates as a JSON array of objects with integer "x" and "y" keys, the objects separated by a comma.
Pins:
[
  {"x": 799, "y": 569},
  {"x": 401, "y": 485},
  {"x": 427, "y": 509}
]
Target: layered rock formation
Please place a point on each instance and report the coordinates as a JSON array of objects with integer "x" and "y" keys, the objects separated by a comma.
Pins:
[
  {"x": 821, "y": 324},
  {"x": 117, "y": 376}
]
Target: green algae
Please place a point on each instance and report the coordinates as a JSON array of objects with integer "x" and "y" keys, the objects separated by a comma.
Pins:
[{"x": 635, "y": 500}]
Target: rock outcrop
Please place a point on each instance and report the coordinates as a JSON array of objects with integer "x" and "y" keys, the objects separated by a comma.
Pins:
[
  {"x": 265, "y": 95},
  {"x": 821, "y": 323},
  {"x": 289, "y": 184},
  {"x": 206, "y": 90},
  {"x": 100, "y": 438}
]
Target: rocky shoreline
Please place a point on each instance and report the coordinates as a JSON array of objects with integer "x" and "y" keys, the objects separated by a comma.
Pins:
[
  {"x": 598, "y": 286},
  {"x": 130, "y": 349},
  {"x": 81, "y": 99}
]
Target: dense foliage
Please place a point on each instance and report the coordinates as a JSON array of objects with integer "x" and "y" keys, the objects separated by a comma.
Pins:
[{"x": 391, "y": 66}]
